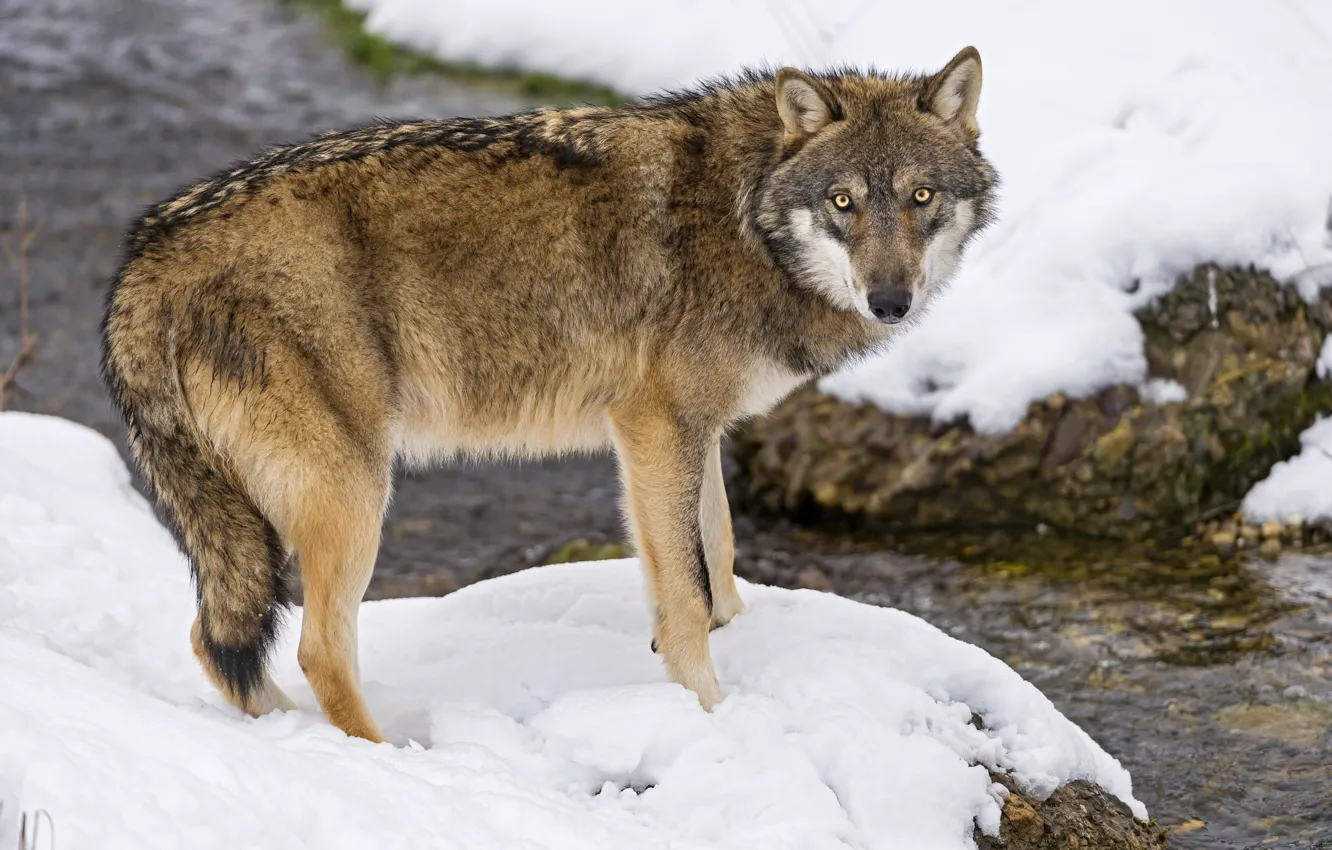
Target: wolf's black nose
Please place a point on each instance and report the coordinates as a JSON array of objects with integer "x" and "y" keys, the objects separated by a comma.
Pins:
[{"x": 890, "y": 305}]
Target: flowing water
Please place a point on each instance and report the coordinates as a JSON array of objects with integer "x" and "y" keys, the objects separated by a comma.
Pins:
[{"x": 1211, "y": 681}]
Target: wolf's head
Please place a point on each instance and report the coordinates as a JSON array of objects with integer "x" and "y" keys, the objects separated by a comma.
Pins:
[{"x": 878, "y": 185}]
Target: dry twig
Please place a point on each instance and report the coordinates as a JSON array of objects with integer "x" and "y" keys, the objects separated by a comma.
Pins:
[{"x": 28, "y": 840}]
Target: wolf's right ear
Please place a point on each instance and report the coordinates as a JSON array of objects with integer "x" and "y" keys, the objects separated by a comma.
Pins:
[
  {"x": 806, "y": 106},
  {"x": 953, "y": 93}
]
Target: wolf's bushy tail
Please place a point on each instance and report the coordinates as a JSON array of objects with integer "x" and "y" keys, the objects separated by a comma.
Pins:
[{"x": 240, "y": 568}]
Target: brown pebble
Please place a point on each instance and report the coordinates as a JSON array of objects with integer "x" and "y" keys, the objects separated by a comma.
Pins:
[
  {"x": 1270, "y": 529},
  {"x": 1223, "y": 539},
  {"x": 1271, "y": 548},
  {"x": 1188, "y": 826},
  {"x": 814, "y": 579}
]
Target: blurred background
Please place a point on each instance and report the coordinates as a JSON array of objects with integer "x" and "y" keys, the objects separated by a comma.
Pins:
[{"x": 1124, "y": 493}]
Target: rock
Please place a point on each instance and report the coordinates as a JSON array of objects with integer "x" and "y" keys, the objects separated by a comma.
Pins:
[
  {"x": 1270, "y": 548},
  {"x": 813, "y": 578},
  {"x": 1113, "y": 465},
  {"x": 1223, "y": 541},
  {"x": 1299, "y": 724},
  {"x": 1024, "y": 822},
  {"x": 1271, "y": 530},
  {"x": 440, "y": 581},
  {"x": 1079, "y": 814}
]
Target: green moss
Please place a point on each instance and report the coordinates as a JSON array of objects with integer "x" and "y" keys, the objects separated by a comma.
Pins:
[
  {"x": 582, "y": 549},
  {"x": 387, "y": 59}
]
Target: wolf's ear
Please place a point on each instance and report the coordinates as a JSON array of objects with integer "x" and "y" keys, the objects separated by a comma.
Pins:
[
  {"x": 805, "y": 105},
  {"x": 953, "y": 93}
]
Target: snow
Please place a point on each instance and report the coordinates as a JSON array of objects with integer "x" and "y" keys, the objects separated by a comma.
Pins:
[
  {"x": 1163, "y": 391},
  {"x": 526, "y": 711},
  {"x": 1299, "y": 489},
  {"x": 1135, "y": 140}
]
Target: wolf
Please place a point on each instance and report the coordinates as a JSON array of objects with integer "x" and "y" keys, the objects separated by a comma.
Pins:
[{"x": 642, "y": 278}]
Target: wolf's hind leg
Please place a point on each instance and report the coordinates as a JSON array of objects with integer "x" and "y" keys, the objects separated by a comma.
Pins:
[
  {"x": 335, "y": 532},
  {"x": 718, "y": 540},
  {"x": 662, "y": 465}
]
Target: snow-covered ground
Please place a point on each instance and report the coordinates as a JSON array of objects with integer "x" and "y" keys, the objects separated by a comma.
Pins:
[
  {"x": 528, "y": 711},
  {"x": 1135, "y": 138}
]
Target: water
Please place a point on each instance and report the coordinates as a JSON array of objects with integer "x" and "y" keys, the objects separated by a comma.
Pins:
[{"x": 1211, "y": 681}]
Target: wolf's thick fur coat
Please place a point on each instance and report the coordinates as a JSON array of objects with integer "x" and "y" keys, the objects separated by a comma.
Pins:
[{"x": 539, "y": 283}]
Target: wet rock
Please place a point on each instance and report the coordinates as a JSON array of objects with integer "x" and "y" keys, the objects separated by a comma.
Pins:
[
  {"x": 1297, "y": 723},
  {"x": 439, "y": 582},
  {"x": 1115, "y": 464},
  {"x": 813, "y": 578},
  {"x": 1079, "y": 814},
  {"x": 1191, "y": 825},
  {"x": 1223, "y": 541}
]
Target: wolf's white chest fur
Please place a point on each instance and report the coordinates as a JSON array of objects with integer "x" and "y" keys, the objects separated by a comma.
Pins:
[{"x": 766, "y": 385}]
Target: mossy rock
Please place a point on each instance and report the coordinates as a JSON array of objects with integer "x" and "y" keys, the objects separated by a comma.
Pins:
[
  {"x": 582, "y": 549},
  {"x": 1242, "y": 345},
  {"x": 1079, "y": 814}
]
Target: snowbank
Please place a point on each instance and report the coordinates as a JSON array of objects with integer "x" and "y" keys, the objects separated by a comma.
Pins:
[
  {"x": 528, "y": 710},
  {"x": 1136, "y": 139},
  {"x": 1299, "y": 489}
]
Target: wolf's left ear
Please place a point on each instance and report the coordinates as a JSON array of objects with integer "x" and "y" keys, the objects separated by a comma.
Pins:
[
  {"x": 953, "y": 93},
  {"x": 805, "y": 104}
]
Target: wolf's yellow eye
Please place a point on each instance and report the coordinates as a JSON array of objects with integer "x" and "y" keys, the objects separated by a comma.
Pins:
[
  {"x": 842, "y": 201},
  {"x": 923, "y": 196}
]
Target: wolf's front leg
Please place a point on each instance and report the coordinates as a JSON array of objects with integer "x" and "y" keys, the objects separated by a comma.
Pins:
[
  {"x": 662, "y": 462},
  {"x": 718, "y": 540}
]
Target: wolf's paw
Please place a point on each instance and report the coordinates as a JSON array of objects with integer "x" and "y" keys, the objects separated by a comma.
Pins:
[{"x": 709, "y": 693}]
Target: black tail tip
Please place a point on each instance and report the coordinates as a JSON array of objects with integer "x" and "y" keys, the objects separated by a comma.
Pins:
[{"x": 241, "y": 668}]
